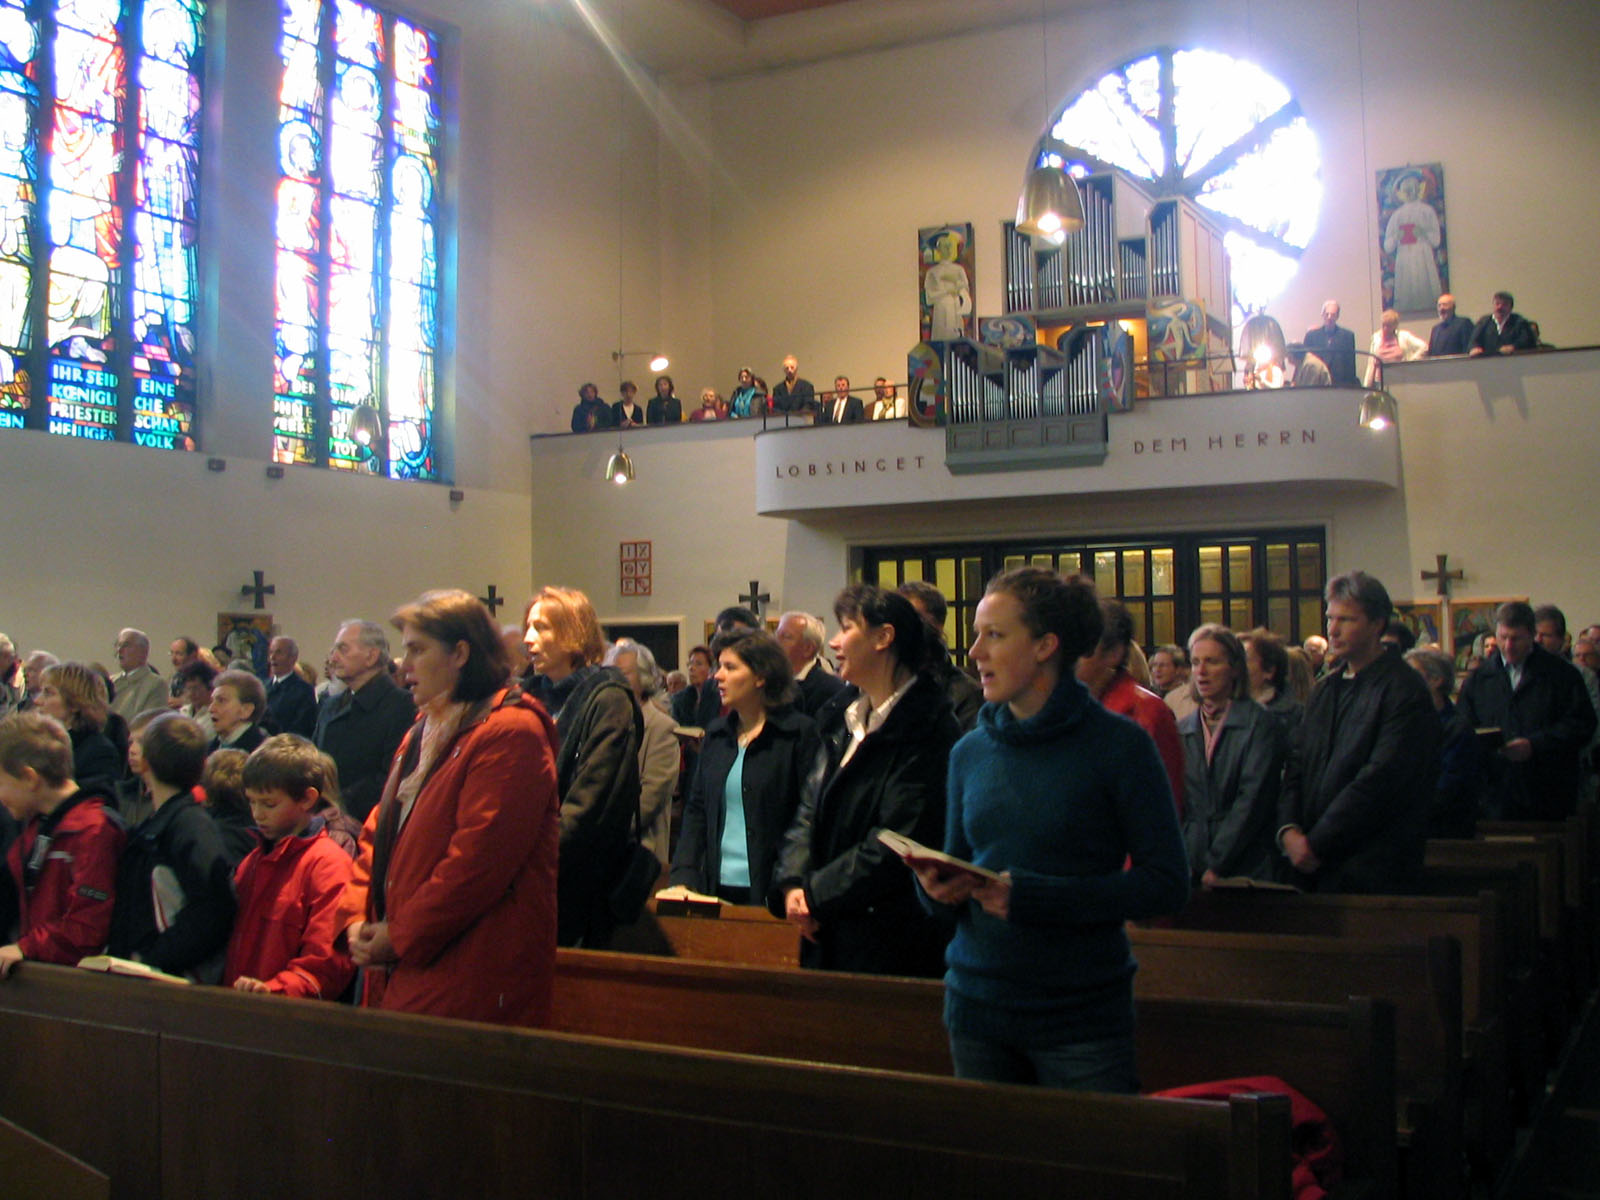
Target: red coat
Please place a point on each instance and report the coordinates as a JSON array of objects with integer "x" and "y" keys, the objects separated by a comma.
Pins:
[
  {"x": 288, "y": 918},
  {"x": 470, "y": 894},
  {"x": 1150, "y": 713},
  {"x": 66, "y": 914}
]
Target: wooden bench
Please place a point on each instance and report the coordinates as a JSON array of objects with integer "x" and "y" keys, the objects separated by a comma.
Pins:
[
  {"x": 1341, "y": 1055},
  {"x": 1477, "y": 925},
  {"x": 1423, "y": 981},
  {"x": 182, "y": 1092}
]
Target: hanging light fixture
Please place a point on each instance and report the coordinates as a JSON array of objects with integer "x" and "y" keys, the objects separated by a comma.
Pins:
[
  {"x": 1050, "y": 206},
  {"x": 658, "y": 362},
  {"x": 619, "y": 467},
  {"x": 1378, "y": 410}
]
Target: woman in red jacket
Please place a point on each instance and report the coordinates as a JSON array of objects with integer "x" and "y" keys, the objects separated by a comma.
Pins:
[{"x": 452, "y": 910}]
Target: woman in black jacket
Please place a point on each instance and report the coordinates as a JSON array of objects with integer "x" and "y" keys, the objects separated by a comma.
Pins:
[
  {"x": 76, "y": 696},
  {"x": 1233, "y": 754},
  {"x": 887, "y": 744},
  {"x": 762, "y": 752}
]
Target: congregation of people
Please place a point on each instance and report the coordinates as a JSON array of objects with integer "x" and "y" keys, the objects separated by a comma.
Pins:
[
  {"x": 794, "y": 396},
  {"x": 420, "y": 835},
  {"x": 1326, "y": 355}
]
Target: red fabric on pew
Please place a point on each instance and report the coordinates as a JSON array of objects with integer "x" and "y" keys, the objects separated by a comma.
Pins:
[{"x": 1318, "y": 1156}]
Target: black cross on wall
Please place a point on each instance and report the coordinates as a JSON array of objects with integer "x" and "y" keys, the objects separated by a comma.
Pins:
[
  {"x": 260, "y": 588},
  {"x": 756, "y": 598},
  {"x": 493, "y": 601}
]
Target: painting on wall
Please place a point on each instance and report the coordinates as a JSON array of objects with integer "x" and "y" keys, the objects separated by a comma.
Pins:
[
  {"x": 1425, "y": 619},
  {"x": 245, "y": 635},
  {"x": 1412, "y": 253},
  {"x": 946, "y": 273}
]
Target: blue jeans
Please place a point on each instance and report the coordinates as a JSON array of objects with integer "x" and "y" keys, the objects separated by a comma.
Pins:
[{"x": 1102, "y": 1066}]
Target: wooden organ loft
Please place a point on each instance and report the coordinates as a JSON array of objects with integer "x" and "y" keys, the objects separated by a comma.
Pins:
[{"x": 1129, "y": 307}]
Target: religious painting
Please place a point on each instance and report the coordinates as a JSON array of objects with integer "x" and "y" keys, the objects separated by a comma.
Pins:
[
  {"x": 944, "y": 280},
  {"x": 635, "y": 577},
  {"x": 1423, "y": 618},
  {"x": 1470, "y": 620},
  {"x": 244, "y": 635},
  {"x": 1412, "y": 255},
  {"x": 926, "y": 387},
  {"x": 1116, "y": 367},
  {"x": 1009, "y": 333},
  {"x": 1178, "y": 342}
]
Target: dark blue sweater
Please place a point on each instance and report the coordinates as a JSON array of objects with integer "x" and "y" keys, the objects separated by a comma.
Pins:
[{"x": 1060, "y": 800}]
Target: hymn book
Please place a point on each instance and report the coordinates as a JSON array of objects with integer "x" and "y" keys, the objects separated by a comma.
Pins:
[
  {"x": 915, "y": 854},
  {"x": 126, "y": 966}
]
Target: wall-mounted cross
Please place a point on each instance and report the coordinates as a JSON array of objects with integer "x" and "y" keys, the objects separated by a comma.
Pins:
[
  {"x": 756, "y": 598},
  {"x": 260, "y": 589},
  {"x": 1442, "y": 575},
  {"x": 493, "y": 601}
]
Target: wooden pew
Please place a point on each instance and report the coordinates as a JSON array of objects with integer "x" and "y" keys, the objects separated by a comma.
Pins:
[
  {"x": 1422, "y": 981},
  {"x": 1477, "y": 925},
  {"x": 1341, "y": 1055},
  {"x": 1578, "y": 884},
  {"x": 183, "y": 1092}
]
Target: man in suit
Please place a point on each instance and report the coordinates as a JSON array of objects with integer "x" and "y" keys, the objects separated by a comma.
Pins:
[
  {"x": 842, "y": 408},
  {"x": 793, "y": 394},
  {"x": 1335, "y": 346},
  {"x": 1453, "y": 334},
  {"x": 290, "y": 699},
  {"x": 1503, "y": 331},
  {"x": 361, "y": 727},
  {"x": 801, "y": 635}
]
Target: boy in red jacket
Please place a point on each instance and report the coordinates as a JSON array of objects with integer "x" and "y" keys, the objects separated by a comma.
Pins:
[
  {"x": 64, "y": 863},
  {"x": 289, "y": 886}
]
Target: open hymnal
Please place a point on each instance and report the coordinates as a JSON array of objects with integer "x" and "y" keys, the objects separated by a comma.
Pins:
[
  {"x": 915, "y": 854},
  {"x": 679, "y": 901},
  {"x": 126, "y": 966}
]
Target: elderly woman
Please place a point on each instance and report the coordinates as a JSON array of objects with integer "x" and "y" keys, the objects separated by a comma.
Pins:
[
  {"x": 600, "y": 730},
  {"x": 887, "y": 742},
  {"x": 1068, "y": 805},
  {"x": 1391, "y": 344},
  {"x": 452, "y": 908},
  {"x": 75, "y": 695},
  {"x": 1453, "y": 812},
  {"x": 750, "y": 774},
  {"x": 1233, "y": 753},
  {"x": 710, "y": 406},
  {"x": 658, "y": 751}
]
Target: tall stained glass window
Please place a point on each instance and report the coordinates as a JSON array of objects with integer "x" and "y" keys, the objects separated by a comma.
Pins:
[
  {"x": 358, "y": 273},
  {"x": 99, "y": 174}
]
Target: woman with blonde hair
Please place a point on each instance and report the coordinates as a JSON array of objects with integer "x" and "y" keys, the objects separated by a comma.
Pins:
[
  {"x": 599, "y": 729},
  {"x": 76, "y": 695}
]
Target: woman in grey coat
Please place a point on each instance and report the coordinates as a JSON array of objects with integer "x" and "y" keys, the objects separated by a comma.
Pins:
[{"x": 1233, "y": 752}]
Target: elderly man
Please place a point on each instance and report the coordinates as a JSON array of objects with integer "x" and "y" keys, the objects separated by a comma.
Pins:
[
  {"x": 793, "y": 394},
  {"x": 182, "y": 652},
  {"x": 1502, "y": 331},
  {"x": 13, "y": 681},
  {"x": 1364, "y": 760},
  {"x": 1453, "y": 334},
  {"x": 1335, "y": 346},
  {"x": 361, "y": 727},
  {"x": 138, "y": 687},
  {"x": 1541, "y": 706},
  {"x": 658, "y": 751},
  {"x": 801, "y": 635},
  {"x": 33, "y": 669},
  {"x": 1316, "y": 648},
  {"x": 290, "y": 699}
]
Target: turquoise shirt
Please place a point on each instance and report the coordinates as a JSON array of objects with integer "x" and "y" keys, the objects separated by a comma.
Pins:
[{"x": 735, "y": 846}]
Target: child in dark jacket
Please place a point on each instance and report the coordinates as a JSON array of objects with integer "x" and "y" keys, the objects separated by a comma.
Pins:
[
  {"x": 63, "y": 864},
  {"x": 174, "y": 888},
  {"x": 289, "y": 886}
]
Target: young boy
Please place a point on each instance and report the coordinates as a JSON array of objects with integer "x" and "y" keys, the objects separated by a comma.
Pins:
[
  {"x": 289, "y": 886},
  {"x": 64, "y": 863},
  {"x": 174, "y": 888}
]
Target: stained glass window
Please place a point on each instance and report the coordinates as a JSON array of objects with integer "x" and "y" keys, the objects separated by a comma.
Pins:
[
  {"x": 357, "y": 334},
  {"x": 1221, "y": 131},
  {"x": 99, "y": 172}
]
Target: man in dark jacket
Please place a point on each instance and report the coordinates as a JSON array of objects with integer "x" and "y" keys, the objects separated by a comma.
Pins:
[
  {"x": 1541, "y": 705},
  {"x": 1503, "y": 331},
  {"x": 1453, "y": 334},
  {"x": 1335, "y": 346},
  {"x": 1364, "y": 760},
  {"x": 801, "y": 636},
  {"x": 961, "y": 689},
  {"x": 361, "y": 727},
  {"x": 290, "y": 699}
]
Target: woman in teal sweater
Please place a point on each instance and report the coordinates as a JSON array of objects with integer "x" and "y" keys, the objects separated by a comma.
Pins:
[{"x": 1069, "y": 803}]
